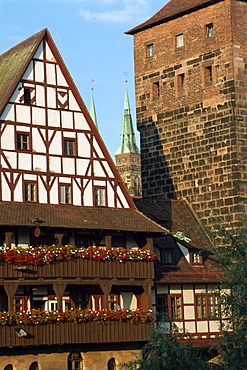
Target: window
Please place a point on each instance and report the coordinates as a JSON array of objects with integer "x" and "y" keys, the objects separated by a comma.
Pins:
[
  {"x": 156, "y": 90},
  {"x": 22, "y": 141},
  {"x": 162, "y": 304},
  {"x": 208, "y": 74},
  {"x": 209, "y": 30},
  {"x": 100, "y": 199},
  {"x": 150, "y": 50},
  {"x": 18, "y": 304},
  {"x": 30, "y": 192},
  {"x": 112, "y": 302},
  {"x": 111, "y": 364},
  {"x": 65, "y": 194},
  {"x": 179, "y": 40},
  {"x": 34, "y": 366},
  {"x": 166, "y": 257},
  {"x": 176, "y": 307},
  {"x": 8, "y": 367},
  {"x": 180, "y": 82},
  {"x": 81, "y": 300},
  {"x": 207, "y": 305},
  {"x": 27, "y": 96},
  {"x": 195, "y": 258},
  {"x": 75, "y": 361},
  {"x": 69, "y": 147}
]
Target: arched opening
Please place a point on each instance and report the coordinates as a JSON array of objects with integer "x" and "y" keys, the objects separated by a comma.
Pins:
[
  {"x": 111, "y": 364},
  {"x": 9, "y": 367},
  {"x": 34, "y": 366},
  {"x": 75, "y": 361}
]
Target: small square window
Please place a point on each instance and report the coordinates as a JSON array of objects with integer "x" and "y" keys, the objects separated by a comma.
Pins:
[
  {"x": 69, "y": 147},
  {"x": 166, "y": 257},
  {"x": 156, "y": 90},
  {"x": 30, "y": 192},
  {"x": 208, "y": 74},
  {"x": 195, "y": 258},
  {"x": 100, "y": 197},
  {"x": 179, "y": 40},
  {"x": 180, "y": 82},
  {"x": 65, "y": 194},
  {"x": 209, "y": 30},
  {"x": 150, "y": 50},
  {"x": 22, "y": 141}
]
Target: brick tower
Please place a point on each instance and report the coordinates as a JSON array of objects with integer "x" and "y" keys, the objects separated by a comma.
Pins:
[
  {"x": 128, "y": 158},
  {"x": 191, "y": 100}
]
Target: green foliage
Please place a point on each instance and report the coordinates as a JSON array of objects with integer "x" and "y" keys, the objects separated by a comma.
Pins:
[
  {"x": 232, "y": 258},
  {"x": 165, "y": 352}
]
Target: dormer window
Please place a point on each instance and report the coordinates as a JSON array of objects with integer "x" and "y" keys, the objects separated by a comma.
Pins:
[
  {"x": 166, "y": 257},
  {"x": 196, "y": 258}
]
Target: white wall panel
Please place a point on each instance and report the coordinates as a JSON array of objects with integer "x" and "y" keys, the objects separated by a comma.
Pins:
[
  {"x": 51, "y": 97},
  {"x": 25, "y": 161},
  {"x": 80, "y": 122},
  {"x": 97, "y": 169},
  {"x": 5, "y": 190},
  {"x": 39, "y": 71},
  {"x": 175, "y": 289},
  {"x": 53, "y": 118},
  {"x": 38, "y": 116},
  {"x": 189, "y": 312},
  {"x": 202, "y": 326},
  {"x": 28, "y": 75},
  {"x": 16, "y": 95},
  {"x": 188, "y": 294},
  {"x": 67, "y": 119},
  {"x": 97, "y": 149},
  {"x": 200, "y": 289},
  {"x": 214, "y": 325},
  {"x": 68, "y": 166},
  {"x": 122, "y": 197},
  {"x": 8, "y": 138},
  {"x": 39, "y": 163},
  {"x": 42, "y": 192},
  {"x": 88, "y": 199},
  {"x": 73, "y": 105},
  {"x": 55, "y": 164},
  {"x": 18, "y": 193},
  {"x": 30, "y": 177},
  {"x": 39, "y": 52},
  {"x": 49, "y": 55},
  {"x": 76, "y": 194},
  {"x": 83, "y": 146},
  {"x": 23, "y": 113},
  {"x": 110, "y": 196},
  {"x": 40, "y": 96},
  {"x": 12, "y": 159},
  {"x": 107, "y": 168},
  {"x": 190, "y": 327},
  {"x": 8, "y": 113},
  {"x": 37, "y": 141},
  {"x": 54, "y": 193},
  {"x": 50, "y": 74},
  {"x": 60, "y": 77},
  {"x": 81, "y": 166}
]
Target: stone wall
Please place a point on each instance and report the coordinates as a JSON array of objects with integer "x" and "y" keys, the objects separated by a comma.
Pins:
[{"x": 193, "y": 134}]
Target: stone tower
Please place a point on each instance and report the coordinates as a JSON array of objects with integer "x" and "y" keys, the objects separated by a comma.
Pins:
[
  {"x": 128, "y": 158},
  {"x": 191, "y": 102}
]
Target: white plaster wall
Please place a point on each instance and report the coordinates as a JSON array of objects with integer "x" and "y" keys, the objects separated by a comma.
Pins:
[
  {"x": 190, "y": 326},
  {"x": 80, "y": 122},
  {"x": 202, "y": 326},
  {"x": 8, "y": 113},
  {"x": 5, "y": 190},
  {"x": 39, "y": 163},
  {"x": 38, "y": 115},
  {"x": 97, "y": 148},
  {"x": 107, "y": 168},
  {"x": 25, "y": 161},
  {"x": 73, "y": 103},
  {"x": 53, "y": 118},
  {"x": 88, "y": 199},
  {"x": 122, "y": 197},
  {"x": 39, "y": 52},
  {"x": 49, "y": 55},
  {"x": 60, "y": 77},
  {"x": 83, "y": 146},
  {"x": 56, "y": 144},
  {"x": 7, "y": 141},
  {"x": 12, "y": 158},
  {"x": 51, "y": 74},
  {"x": 98, "y": 170},
  {"x": 54, "y": 193},
  {"x": 42, "y": 192},
  {"x": 51, "y": 97},
  {"x": 40, "y": 96},
  {"x": 67, "y": 119},
  {"x": 18, "y": 192},
  {"x": 28, "y": 176},
  {"x": 110, "y": 195},
  {"x": 189, "y": 312},
  {"x": 200, "y": 289},
  {"x": 69, "y": 134},
  {"x": 214, "y": 326},
  {"x": 28, "y": 75},
  {"x": 188, "y": 294},
  {"x": 55, "y": 164},
  {"x": 39, "y": 71},
  {"x": 175, "y": 289},
  {"x": 16, "y": 95},
  {"x": 68, "y": 166},
  {"x": 23, "y": 113},
  {"x": 37, "y": 141},
  {"x": 76, "y": 194},
  {"x": 81, "y": 166}
]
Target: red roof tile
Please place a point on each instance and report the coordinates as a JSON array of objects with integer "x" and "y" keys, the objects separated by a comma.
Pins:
[{"x": 173, "y": 9}]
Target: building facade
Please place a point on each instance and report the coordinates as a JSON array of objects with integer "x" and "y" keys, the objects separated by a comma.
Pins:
[
  {"x": 191, "y": 86},
  {"x": 70, "y": 233}
]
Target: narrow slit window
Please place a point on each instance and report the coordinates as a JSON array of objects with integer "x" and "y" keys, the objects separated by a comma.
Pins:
[
  {"x": 150, "y": 50},
  {"x": 180, "y": 82},
  {"x": 156, "y": 90},
  {"x": 209, "y": 30},
  {"x": 208, "y": 74},
  {"x": 27, "y": 96}
]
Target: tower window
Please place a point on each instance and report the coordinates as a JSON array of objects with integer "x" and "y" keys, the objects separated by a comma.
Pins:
[
  {"x": 156, "y": 90},
  {"x": 150, "y": 50},
  {"x": 179, "y": 40},
  {"x": 180, "y": 82},
  {"x": 27, "y": 96},
  {"x": 209, "y": 30},
  {"x": 208, "y": 74}
]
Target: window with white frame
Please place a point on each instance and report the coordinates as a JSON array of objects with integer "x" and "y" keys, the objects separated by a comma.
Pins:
[
  {"x": 30, "y": 192},
  {"x": 179, "y": 40},
  {"x": 209, "y": 30},
  {"x": 65, "y": 194},
  {"x": 150, "y": 50},
  {"x": 100, "y": 196}
]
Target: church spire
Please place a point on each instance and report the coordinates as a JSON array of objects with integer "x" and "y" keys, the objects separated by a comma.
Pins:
[
  {"x": 92, "y": 109},
  {"x": 127, "y": 141}
]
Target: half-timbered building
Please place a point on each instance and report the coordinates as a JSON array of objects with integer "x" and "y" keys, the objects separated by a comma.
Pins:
[{"x": 65, "y": 213}]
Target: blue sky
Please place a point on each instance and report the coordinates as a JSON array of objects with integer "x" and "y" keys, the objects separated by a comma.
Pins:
[{"x": 90, "y": 37}]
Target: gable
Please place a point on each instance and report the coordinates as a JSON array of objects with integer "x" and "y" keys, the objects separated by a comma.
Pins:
[{"x": 47, "y": 135}]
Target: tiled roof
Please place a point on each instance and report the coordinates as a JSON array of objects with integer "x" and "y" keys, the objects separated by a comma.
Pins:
[
  {"x": 23, "y": 214},
  {"x": 13, "y": 64},
  {"x": 173, "y": 9},
  {"x": 175, "y": 215}
]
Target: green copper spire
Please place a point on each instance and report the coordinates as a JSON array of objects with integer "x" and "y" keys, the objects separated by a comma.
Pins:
[
  {"x": 128, "y": 142},
  {"x": 93, "y": 112}
]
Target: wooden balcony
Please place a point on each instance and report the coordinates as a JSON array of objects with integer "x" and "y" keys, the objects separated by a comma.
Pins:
[
  {"x": 74, "y": 333},
  {"x": 81, "y": 268}
]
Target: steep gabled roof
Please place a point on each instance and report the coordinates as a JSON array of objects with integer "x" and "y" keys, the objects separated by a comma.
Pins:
[
  {"x": 173, "y": 9},
  {"x": 13, "y": 64}
]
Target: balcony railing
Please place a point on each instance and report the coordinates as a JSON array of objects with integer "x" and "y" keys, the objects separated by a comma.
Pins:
[
  {"x": 72, "y": 262},
  {"x": 73, "y": 333}
]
